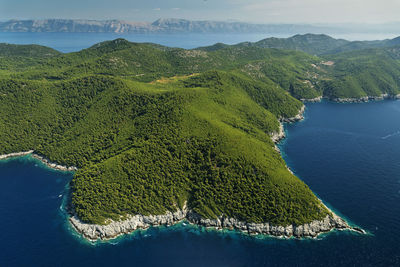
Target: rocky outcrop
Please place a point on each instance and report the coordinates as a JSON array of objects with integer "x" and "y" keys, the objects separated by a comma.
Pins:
[
  {"x": 114, "y": 229},
  {"x": 312, "y": 100},
  {"x": 94, "y": 232},
  {"x": 52, "y": 165},
  {"x": 44, "y": 160},
  {"x": 366, "y": 98},
  {"x": 353, "y": 99},
  {"x": 276, "y": 137},
  {"x": 298, "y": 117},
  {"x": 312, "y": 229},
  {"x": 17, "y": 154}
]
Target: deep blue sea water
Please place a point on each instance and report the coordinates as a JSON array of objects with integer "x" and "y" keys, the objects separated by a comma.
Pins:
[{"x": 349, "y": 154}]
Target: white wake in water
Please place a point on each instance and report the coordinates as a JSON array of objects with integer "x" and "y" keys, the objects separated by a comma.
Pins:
[{"x": 391, "y": 135}]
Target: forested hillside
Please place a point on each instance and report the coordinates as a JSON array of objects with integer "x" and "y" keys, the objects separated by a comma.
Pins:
[
  {"x": 152, "y": 127},
  {"x": 320, "y": 44}
]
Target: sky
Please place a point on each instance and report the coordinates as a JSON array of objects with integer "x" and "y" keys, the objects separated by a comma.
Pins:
[{"x": 253, "y": 11}]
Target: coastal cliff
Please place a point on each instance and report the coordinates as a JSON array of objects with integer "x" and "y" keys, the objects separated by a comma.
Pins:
[
  {"x": 278, "y": 136},
  {"x": 114, "y": 229},
  {"x": 299, "y": 116}
]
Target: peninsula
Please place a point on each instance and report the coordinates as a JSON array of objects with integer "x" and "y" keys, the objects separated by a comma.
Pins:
[{"x": 161, "y": 134}]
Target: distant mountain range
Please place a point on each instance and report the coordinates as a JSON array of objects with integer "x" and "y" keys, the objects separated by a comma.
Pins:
[{"x": 158, "y": 26}]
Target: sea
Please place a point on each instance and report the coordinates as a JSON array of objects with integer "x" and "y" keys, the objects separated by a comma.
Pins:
[{"x": 348, "y": 154}]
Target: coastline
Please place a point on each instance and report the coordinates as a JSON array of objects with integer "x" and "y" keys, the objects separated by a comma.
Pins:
[
  {"x": 114, "y": 229},
  {"x": 15, "y": 155},
  {"x": 366, "y": 98},
  {"x": 42, "y": 159},
  {"x": 363, "y": 99},
  {"x": 276, "y": 137},
  {"x": 312, "y": 100}
]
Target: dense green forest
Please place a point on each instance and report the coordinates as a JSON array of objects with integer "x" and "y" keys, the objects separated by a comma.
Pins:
[
  {"x": 152, "y": 127},
  {"x": 321, "y": 44}
]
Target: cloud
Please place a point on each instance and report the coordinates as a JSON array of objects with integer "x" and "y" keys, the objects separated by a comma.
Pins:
[
  {"x": 175, "y": 8},
  {"x": 157, "y": 9}
]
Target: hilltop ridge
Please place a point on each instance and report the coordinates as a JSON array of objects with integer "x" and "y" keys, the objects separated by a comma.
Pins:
[{"x": 321, "y": 44}]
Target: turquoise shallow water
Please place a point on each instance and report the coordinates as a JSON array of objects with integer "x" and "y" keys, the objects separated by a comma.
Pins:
[{"x": 349, "y": 154}]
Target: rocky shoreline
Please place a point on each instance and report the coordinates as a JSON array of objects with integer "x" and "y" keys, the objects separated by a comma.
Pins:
[
  {"x": 312, "y": 100},
  {"x": 44, "y": 160},
  {"x": 276, "y": 137},
  {"x": 298, "y": 117},
  {"x": 52, "y": 165},
  {"x": 366, "y": 98},
  {"x": 94, "y": 232},
  {"x": 353, "y": 99},
  {"x": 14, "y": 155}
]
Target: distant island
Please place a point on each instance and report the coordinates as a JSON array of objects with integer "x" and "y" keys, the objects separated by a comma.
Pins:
[
  {"x": 158, "y": 26},
  {"x": 160, "y": 134},
  {"x": 172, "y": 25}
]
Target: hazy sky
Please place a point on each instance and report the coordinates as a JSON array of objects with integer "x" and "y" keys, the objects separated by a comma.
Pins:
[{"x": 260, "y": 11}]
